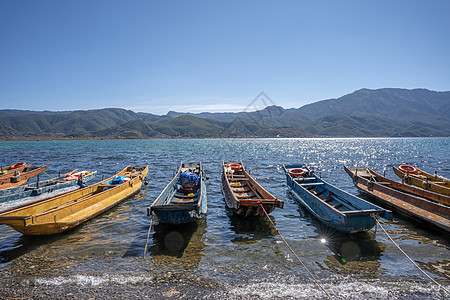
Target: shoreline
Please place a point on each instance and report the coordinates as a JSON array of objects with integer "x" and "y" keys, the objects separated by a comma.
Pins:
[
  {"x": 226, "y": 138},
  {"x": 176, "y": 286}
]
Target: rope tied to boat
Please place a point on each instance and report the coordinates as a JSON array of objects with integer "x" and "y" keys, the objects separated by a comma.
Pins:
[
  {"x": 293, "y": 252},
  {"x": 401, "y": 250},
  {"x": 148, "y": 234}
]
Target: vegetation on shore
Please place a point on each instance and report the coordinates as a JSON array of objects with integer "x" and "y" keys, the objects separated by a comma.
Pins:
[{"x": 364, "y": 113}]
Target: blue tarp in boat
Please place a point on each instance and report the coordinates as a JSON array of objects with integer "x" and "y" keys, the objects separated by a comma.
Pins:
[
  {"x": 188, "y": 180},
  {"x": 119, "y": 180}
]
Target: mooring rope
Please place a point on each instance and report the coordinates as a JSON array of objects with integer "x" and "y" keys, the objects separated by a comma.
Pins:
[
  {"x": 148, "y": 234},
  {"x": 420, "y": 269},
  {"x": 47, "y": 174},
  {"x": 304, "y": 266}
]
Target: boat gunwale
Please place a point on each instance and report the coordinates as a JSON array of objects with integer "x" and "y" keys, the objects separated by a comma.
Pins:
[
  {"x": 48, "y": 184},
  {"x": 7, "y": 170},
  {"x": 415, "y": 190},
  {"x": 77, "y": 200},
  {"x": 156, "y": 206},
  {"x": 25, "y": 175},
  {"x": 46, "y": 228},
  {"x": 439, "y": 187},
  {"x": 249, "y": 202},
  {"x": 306, "y": 190},
  {"x": 361, "y": 183}
]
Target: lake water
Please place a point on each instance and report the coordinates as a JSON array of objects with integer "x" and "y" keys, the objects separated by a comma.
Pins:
[{"x": 223, "y": 255}]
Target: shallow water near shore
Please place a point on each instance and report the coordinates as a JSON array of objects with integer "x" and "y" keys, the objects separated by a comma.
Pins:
[{"x": 224, "y": 255}]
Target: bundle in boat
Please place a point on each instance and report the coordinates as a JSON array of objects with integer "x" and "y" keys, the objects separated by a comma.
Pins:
[
  {"x": 425, "y": 206},
  {"x": 184, "y": 199},
  {"x": 243, "y": 195},
  {"x": 416, "y": 177},
  {"x": 60, "y": 213},
  {"x": 330, "y": 205}
]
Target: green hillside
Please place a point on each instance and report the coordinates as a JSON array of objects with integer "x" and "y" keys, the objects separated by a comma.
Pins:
[{"x": 364, "y": 113}]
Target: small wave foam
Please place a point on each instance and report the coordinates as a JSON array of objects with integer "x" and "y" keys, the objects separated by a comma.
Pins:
[
  {"x": 352, "y": 290},
  {"x": 86, "y": 280}
]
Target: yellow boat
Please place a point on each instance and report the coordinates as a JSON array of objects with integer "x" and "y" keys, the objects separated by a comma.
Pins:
[
  {"x": 66, "y": 211},
  {"x": 414, "y": 176}
]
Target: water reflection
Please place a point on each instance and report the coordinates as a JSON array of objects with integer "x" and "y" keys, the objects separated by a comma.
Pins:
[
  {"x": 249, "y": 230},
  {"x": 441, "y": 268},
  {"x": 353, "y": 247},
  {"x": 25, "y": 244},
  {"x": 346, "y": 247},
  {"x": 172, "y": 239},
  {"x": 181, "y": 245}
]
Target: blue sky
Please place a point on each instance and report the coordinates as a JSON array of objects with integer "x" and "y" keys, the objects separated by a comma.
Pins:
[{"x": 156, "y": 56}]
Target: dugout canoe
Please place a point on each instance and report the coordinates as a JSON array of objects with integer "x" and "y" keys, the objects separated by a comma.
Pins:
[
  {"x": 332, "y": 206},
  {"x": 419, "y": 208},
  {"x": 20, "y": 177},
  {"x": 184, "y": 199},
  {"x": 39, "y": 190},
  {"x": 411, "y": 189},
  {"x": 60, "y": 213},
  {"x": 243, "y": 194},
  {"x": 5, "y": 171},
  {"x": 414, "y": 176}
]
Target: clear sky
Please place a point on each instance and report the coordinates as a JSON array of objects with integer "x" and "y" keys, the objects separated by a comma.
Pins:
[{"x": 156, "y": 56}]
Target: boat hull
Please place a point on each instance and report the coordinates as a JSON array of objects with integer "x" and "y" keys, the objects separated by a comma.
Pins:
[
  {"x": 411, "y": 189},
  {"x": 8, "y": 171},
  {"x": 242, "y": 203},
  {"x": 19, "y": 178},
  {"x": 60, "y": 213},
  {"x": 411, "y": 205},
  {"x": 35, "y": 190},
  {"x": 166, "y": 210},
  {"x": 425, "y": 181},
  {"x": 357, "y": 215}
]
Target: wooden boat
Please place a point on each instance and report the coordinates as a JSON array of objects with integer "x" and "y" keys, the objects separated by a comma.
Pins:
[
  {"x": 411, "y": 189},
  {"x": 332, "y": 206},
  {"x": 20, "y": 177},
  {"x": 414, "y": 176},
  {"x": 420, "y": 208},
  {"x": 66, "y": 211},
  {"x": 13, "y": 168},
  {"x": 29, "y": 193},
  {"x": 243, "y": 194},
  {"x": 184, "y": 199}
]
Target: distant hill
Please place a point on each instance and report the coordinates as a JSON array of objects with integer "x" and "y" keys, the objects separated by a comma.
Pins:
[
  {"x": 364, "y": 113},
  {"x": 393, "y": 103}
]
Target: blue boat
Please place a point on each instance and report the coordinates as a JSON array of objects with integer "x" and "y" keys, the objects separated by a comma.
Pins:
[
  {"x": 41, "y": 189},
  {"x": 332, "y": 206},
  {"x": 184, "y": 199}
]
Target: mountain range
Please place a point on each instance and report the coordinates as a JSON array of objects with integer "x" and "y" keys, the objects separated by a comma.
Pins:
[{"x": 385, "y": 112}]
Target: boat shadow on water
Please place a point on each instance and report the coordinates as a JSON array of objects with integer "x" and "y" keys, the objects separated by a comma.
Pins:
[
  {"x": 352, "y": 247},
  {"x": 346, "y": 247},
  {"x": 414, "y": 228},
  {"x": 26, "y": 243},
  {"x": 173, "y": 240},
  {"x": 178, "y": 246},
  {"x": 250, "y": 229}
]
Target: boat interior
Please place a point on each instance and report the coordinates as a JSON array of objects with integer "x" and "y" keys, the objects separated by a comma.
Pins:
[
  {"x": 316, "y": 188},
  {"x": 190, "y": 194},
  {"x": 240, "y": 184}
]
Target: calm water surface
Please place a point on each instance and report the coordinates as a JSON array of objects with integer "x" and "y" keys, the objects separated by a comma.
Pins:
[{"x": 245, "y": 256}]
